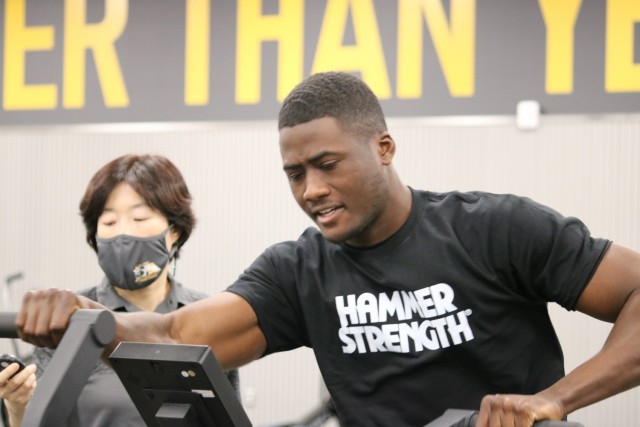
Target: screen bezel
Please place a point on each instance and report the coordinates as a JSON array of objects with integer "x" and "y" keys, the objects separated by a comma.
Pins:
[{"x": 172, "y": 374}]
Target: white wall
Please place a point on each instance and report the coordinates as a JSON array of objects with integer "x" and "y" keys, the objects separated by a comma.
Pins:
[{"x": 581, "y": 167}]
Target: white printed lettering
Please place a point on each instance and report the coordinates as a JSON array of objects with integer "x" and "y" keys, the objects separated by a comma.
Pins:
[
  {"x": 367, "y": 305},
  {"x": 383, "y": 323},
  {"x": 350, "y": 310}
]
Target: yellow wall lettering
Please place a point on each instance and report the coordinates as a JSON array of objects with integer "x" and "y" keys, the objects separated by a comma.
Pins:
[
  {"x": 366, "y": 56},
  {"x": 454, "y": 44},
  {"x": 560, "y": 19},
  {"x": 253, "y": 28},
  {"x": 196, "y": 60},
  {"x": 99, "y": 38},
  {"x": 18, "y": 40},
  {"x": 621, "y": 73}
]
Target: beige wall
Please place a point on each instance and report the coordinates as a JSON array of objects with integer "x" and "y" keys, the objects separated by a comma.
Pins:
[{"x": 582, "y": 167}]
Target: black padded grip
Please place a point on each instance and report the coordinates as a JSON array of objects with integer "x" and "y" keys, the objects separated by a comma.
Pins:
[
  {"x": 467, "y": 418},
  {"x": 8, "y": 324},
  {"x": 543, "y": 423}
]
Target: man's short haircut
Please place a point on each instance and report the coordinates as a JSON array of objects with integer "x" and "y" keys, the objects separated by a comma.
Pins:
[
  {"x": 154, "y": 178},
  {"x": 340, "y": 95}
]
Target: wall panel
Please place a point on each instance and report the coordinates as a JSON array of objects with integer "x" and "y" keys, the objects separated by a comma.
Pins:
[{"x": 579, "y": 166}]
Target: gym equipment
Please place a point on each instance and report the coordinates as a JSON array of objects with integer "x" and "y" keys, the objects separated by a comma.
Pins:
[
  {"x": 467, "y": 418},
  {"x": 88, "y": 333},
  {"x": 182, "y": 385},
  {"x": 177, "y": 385}
]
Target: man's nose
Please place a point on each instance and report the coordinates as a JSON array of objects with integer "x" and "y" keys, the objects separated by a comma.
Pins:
[{"x": 315, "y": 187}]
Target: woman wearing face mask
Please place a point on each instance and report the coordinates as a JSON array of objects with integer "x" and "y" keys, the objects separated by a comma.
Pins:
[{"x": 137, "y": 214}]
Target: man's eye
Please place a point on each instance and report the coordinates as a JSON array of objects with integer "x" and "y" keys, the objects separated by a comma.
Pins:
[
  {"x": 329, "y": 165},
  {"x": 294, "y": 177}
]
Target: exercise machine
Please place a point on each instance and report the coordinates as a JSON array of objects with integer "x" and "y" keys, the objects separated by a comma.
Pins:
[
  {"x": 81, "y": 346},
  {"x": 466, "y": 418}
]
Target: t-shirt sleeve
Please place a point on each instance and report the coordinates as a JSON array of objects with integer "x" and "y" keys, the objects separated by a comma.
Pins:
[
  {"x": 551, "y": 256},
  {"x": 269, "y": 286}
]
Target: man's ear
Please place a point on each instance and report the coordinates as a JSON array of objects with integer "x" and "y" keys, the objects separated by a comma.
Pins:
[{"x": 386, "y": 147}]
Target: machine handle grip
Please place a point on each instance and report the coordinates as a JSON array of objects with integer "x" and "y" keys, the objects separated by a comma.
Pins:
[
  {"x": 467, "y": 418},
  {"x": 8, "y": 324},
  {"x": 89, "y": 331},
  {"x": 541, "y": 423}
]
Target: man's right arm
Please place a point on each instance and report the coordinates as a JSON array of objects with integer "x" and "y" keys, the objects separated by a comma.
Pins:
[{"x": 225, "y": 322}]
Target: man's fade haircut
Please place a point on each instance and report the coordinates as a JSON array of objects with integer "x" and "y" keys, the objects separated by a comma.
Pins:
[{"x": 340, "y": 95}]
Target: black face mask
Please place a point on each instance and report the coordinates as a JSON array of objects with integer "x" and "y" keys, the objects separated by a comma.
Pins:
[{"x": 133, "y": 262}]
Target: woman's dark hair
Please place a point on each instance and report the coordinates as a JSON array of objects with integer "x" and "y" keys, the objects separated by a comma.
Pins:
[
  {"x": 154, "y": 178},
  {"x": 340, "y": 95}
]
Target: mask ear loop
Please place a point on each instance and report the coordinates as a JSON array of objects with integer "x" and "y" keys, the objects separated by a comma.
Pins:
[
  {"x": 172, "y": 253},
  {"x": 174, "y": 249}
]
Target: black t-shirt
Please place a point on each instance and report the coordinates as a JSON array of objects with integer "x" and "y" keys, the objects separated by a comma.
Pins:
[{"x": 450, "y": 308}]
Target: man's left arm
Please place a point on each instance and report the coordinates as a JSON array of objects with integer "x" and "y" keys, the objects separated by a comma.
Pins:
[{"x": 613, "y": 295}]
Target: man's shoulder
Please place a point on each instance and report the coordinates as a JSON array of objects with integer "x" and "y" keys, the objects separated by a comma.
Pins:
[
  {"x": 310, "y": 237},
  {"x": 308, "y": 248},
  {"x": 469, "y": 200}
]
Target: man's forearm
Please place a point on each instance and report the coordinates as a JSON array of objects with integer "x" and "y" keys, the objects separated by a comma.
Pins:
[
  {"x": 614, "y": 369},
  {"x": 140, "y": 327}
]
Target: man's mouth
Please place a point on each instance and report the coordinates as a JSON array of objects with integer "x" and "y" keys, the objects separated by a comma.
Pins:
[
  {"x": 326, "y": 212},
  {"x": 325, "y": 216}
]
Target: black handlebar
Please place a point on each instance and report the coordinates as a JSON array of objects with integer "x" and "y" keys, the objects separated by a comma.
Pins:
[
  {"x": 58, "y": 389},
  {"x": 8, "y": 325},
  {"x": 466, "y": 418}
]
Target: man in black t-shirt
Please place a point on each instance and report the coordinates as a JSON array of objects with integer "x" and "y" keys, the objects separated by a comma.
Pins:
[
  {"x": 450, "y": 308},
  {"x": 412, "y": 301}
]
